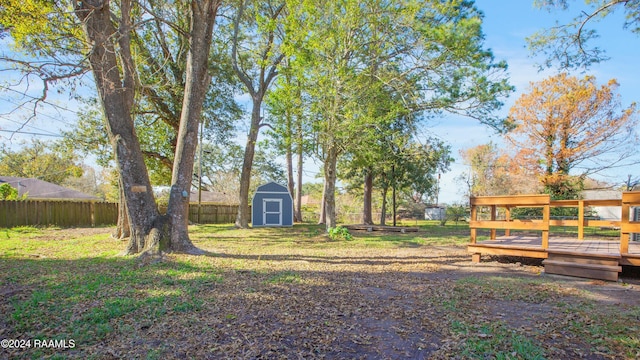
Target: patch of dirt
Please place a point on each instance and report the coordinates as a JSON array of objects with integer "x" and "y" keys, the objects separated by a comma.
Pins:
[{"x": 71, "y": 233}]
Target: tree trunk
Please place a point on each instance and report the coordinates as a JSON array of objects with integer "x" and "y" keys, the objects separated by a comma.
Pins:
[
  {"x": 150, "y": 232},
  {"x": 298, "y": 207},
  {"x": 367, "y": 217},
  {"x": 290, "y": 185},
  {"x": 123, "y": 229},
  {"x": 383, "y": 210},
  {"x": 323, "y": 214},
  {"x": 115, "y": 90},
  {"x": 330, "y": 177},
  {"x": 393, "y": 194},
  {"x": 242, "y": 219},
  {"x": 267, "y": 66},
  {"x": 196, "y": 84}
]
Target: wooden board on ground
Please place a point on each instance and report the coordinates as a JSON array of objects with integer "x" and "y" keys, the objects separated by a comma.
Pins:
[{"x": 363, "y": 227}]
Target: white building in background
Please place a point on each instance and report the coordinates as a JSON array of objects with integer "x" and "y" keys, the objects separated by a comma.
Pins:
[
  {"x": 604, "y": 212},
  {"x": 435, "y": 212},
  {"x": 611, "y": 212}
]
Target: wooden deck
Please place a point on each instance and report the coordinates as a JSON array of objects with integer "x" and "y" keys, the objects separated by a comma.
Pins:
[
  {"x": 574, "y": 256},
  {"x": 531, "y": 246}
]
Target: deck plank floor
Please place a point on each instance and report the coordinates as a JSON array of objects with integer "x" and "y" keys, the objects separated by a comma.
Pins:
[{"x": 564, "y": 244}]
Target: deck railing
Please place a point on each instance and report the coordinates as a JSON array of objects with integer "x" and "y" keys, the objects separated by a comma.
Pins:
[
  {"x": 507, "y": 224},
  {"x": 508, "y": 203},
  {"x": 627, "y": 227}
]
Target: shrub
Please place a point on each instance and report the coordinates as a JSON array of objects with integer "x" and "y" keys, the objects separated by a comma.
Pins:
[{"x": 340, "y": 233}]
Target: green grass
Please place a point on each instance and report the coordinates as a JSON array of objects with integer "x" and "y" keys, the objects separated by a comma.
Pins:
[
  {"x": 494, "y": 340},
  {"x": 64, "y": 285},
  {"x": 286, "y": 277},
  {"x": 314, "y": 237}
]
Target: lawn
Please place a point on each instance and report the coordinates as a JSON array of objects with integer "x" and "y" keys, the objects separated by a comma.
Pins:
[{"x": 294, "y": 293}]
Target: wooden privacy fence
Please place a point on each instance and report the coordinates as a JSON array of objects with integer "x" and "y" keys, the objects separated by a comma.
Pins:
[
  {"x": 91, "y": 213},
  {"x": 59, "y": 213},
  {"x": 213, "y": 213}
]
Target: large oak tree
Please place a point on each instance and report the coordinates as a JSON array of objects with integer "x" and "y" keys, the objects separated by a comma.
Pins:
[{"x": 75, "y": 36}]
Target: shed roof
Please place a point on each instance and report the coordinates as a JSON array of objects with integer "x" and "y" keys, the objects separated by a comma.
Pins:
[{"x": 272, "y": 187}]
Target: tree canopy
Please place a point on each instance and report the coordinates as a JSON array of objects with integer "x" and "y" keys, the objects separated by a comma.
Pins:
[
  {"x": 360, "y": 78},
  {"x": 495, "y": 171},
  {"x": 354, "y": 55},
  {"x": 39, "y": 160},
  {"x": 571, "y": 126}
]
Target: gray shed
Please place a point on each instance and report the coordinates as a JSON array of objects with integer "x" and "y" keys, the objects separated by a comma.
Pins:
[{"x": 272, "y": 205}]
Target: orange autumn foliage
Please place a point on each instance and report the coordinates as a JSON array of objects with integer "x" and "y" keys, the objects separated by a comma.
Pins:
[
  {"x": 495, "y": 172},
  {"x": 566, "y": 123}
]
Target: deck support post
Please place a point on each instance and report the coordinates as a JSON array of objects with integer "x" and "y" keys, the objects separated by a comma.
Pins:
[
  {"x": 507, "y": 218},
  {"x": 546, "y": 215},
  {"x": 581, "y": 219},
  {"x": 475, "y": 258},
  {"x": 474, "y": 217},
  {"x": 624, "y": 224}
]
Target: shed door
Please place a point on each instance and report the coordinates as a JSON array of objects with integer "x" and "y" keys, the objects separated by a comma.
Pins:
[{"x": 272, "y": 212}]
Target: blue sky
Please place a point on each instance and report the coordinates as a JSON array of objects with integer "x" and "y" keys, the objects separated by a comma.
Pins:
[{"x": 506, "y": 25}]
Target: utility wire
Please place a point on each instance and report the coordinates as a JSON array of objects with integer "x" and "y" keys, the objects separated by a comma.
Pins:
[
  {"x": 30, "y": 133},
  {"x": 40, "y": 113},
  {"x": 31, "y": 126},
  {"x": 39, "y": 99}
]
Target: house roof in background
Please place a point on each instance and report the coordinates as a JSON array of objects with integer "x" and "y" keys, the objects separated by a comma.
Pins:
[
  {"x": 39, "y": 189},
  {"x": 209, "y": 196}
]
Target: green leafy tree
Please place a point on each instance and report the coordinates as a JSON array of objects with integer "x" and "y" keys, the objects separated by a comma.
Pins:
[
  {"x": 161, "y": 62},
  {"x": 8, "y": 192},
  {"x": 256, "y": 55},
  {"x": 393, "y": 122},
  {"x": 412, "y": 168},
  {"x": 439, "y": 44},
  {"x": 455, "y": 212},
  {"x": 39, "y": 160},
  {"x": 290, "y": 132}
]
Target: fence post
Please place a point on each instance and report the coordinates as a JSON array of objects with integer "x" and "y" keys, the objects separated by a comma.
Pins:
[{"x": 93, "y": 214}]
